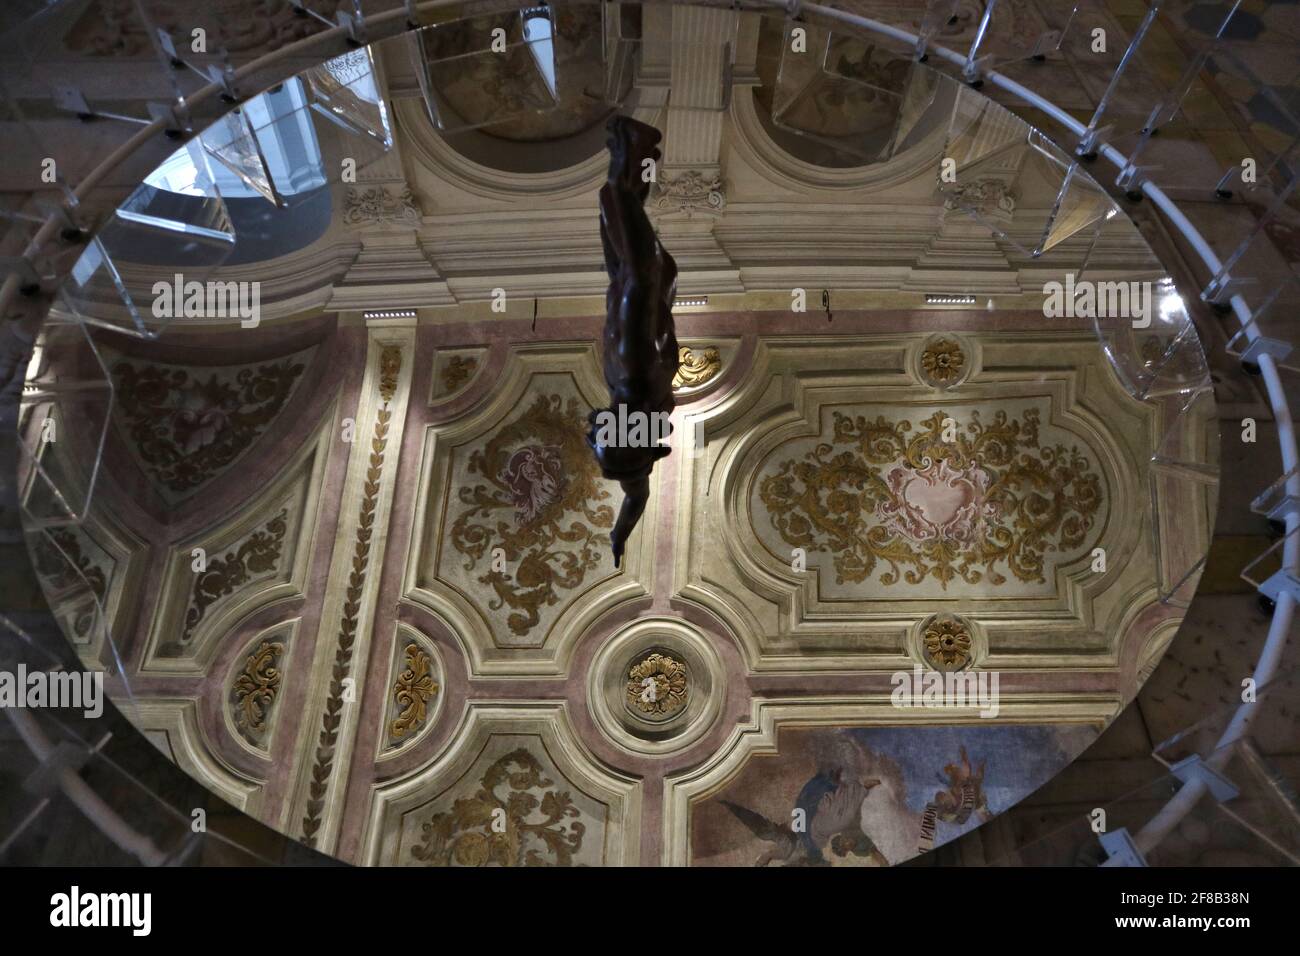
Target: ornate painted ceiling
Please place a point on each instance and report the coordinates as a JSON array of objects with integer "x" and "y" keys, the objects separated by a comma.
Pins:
[
  {"x": 355, "y": 560},
  {"x": 409, "y": 644}
]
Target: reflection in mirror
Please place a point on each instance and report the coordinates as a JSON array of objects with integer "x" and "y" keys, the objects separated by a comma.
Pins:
[{"x": 320, "y": 477}]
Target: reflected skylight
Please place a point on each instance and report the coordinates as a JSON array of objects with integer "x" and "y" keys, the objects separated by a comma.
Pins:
[{"x": 287, "y": 142}]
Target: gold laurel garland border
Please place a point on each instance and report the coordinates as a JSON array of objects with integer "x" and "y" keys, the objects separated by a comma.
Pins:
[{"x": 390, "y": 361}]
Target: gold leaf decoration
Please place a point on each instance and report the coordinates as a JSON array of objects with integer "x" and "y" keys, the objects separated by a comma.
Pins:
[
  {"x": 656, "y": 686},
  {"x": 947, "y": 643},
  {"x": 696, "y": 367},
  {"x": 942, "y": 361},
  {"x": 413, "y": 690},
  {"x": 457, "y": 372},
  {"x": 255, "y": 689},
  {"x": 390, "y": 365},
  {"x": 540, "y": 506},
  {"x": 259, "y": 554},
  {"x": 924, "y": 507},
  {"x": 515, "y": 818}
]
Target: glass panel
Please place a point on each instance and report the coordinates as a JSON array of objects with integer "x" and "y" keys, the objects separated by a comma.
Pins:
[
  {"x": 299, "y": 135},
  {"x": 834, "y": 88},
  {"x": 1184, "y": 487},
  {"x": 63, "y": 420},
  {"x": 75, "y": 589},
  {"x": 1005, "y": 34},
  {"x": 1272, "y": 328},
  {"x": 344, "y": 91},
  {"x": 987, "y": 143},
  {"x": 513, "y": 56},
  {"x": 165, "y": 233}
]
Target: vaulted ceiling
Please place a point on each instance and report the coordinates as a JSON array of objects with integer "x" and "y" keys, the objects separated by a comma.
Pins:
[{"x": 355, "y": 559}]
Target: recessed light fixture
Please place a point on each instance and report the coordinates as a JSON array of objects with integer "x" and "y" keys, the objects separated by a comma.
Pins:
[
  {"x": 389, "y": 314},
  {"x": 694, "y": 300},
  {"x": 948, "y": 299}
]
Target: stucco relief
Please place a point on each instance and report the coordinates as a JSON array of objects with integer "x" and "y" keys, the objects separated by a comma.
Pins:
[{"x": 216, "y": 577}]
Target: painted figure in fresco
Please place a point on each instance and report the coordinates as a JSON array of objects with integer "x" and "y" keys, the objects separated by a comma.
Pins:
[
  {"x": 640, "y": 346},
  {"x": 965, "y": 793},
  {"x": 831, "y": 802}
]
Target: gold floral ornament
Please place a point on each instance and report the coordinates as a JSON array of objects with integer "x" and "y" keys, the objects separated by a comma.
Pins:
[
  {"x": 413, "y": 690},
  {"x": 457, "y": 373},
  {"x": 657, "y": 686},
  {"x": 942, "y": 361},
  {"x": 541, "y": 504},
  {"x": 695, "y": 368},
  {"x": 878, "y": 494},
  {"x": 255, "y": 689},
  {"x": 516, "y": 818},
  {"x": 947, "y": 643}
]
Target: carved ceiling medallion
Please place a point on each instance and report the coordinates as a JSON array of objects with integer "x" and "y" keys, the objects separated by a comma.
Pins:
[
  {"x": 656, "y": 686},
  {"x": 947, "y": 643},
  {"x": 943, "y": 363}
]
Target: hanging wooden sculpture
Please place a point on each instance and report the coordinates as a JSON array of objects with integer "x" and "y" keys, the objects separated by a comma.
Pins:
[{"x": 640, "y": 345}]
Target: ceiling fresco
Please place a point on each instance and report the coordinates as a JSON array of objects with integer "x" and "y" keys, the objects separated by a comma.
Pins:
[
  {"x": 873, "y": 797},
  {"x": 911, "y": 553},
  {"x": 410, "y": 647},
  {"x": 186, "y": 425}
]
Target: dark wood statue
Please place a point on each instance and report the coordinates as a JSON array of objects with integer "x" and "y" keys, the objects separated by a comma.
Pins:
[{"x": 640, "y": 346}]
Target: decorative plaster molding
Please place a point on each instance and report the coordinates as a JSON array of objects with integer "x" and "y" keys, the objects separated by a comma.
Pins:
[
  {"x": 689, "y": 192},
  {"x": 985, "y": 195},
  {"x": 381, "y": 205},
  {"x": 343, "y": 640},
  {"x": 183, "y": 640},
  {"x": 514, "y": 472}
]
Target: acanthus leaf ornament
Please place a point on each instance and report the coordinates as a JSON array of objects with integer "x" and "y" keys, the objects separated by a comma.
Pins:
[
  {"x": 413, "y": 690},
  {"x": 515, "y": 817},
  {"x": 255, "y": 689},
  {"x": 381, "y": 205},
  {"x": 697, "y": 366},
  {"x": 689, "y": 192},
  {"x": 929, "y": 508},
  {"x": 542, "y": 479}
]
